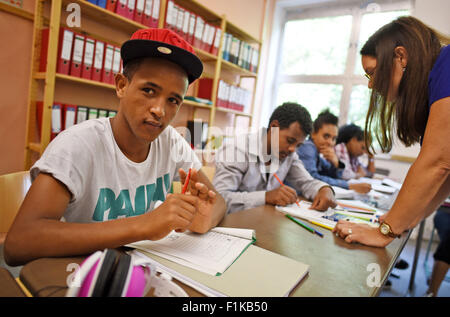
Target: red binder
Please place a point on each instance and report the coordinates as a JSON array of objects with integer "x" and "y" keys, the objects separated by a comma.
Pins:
[
  {"x": 155, "y": 13},
  {"x": 97, "y": 68},
  {"x": 88, "y": 59},
  {"x": 77, "y": 55},
  {"x": 191, "y": 31},
  {"x": 131, "y": 9},
  {"x": 117, "y": 61},
  {"x": 171, "y": 14},
  {"x": 64, "y": 50},
  {"x": 122, "y": 8},
  {"x": 220, "y": 94},
  {"x": 147, "y": 15},
  {"x": 180, "y": 21},
  {"x": 208, "y": 38},
  {"x": 139, "y": 12},
  {"x": 69, "y": 116},
  {"x": 107, "y": 65},
  {"x": 111, "y": 5},
  {"x": 205, "y": 88},
  {"x": 57, "y": 122},
  {"x": 215, "y": 46},
  {"x": 198, "y": 33},
  {"x": 186, "y": 20}
]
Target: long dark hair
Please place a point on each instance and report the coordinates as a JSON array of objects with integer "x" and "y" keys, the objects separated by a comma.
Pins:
[{"x": 408, "y": 114}]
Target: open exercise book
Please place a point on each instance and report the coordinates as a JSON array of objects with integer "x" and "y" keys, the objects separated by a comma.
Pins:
[
  {"x": 223, "y": 262},
  {"x": 211, "y": 253},
  {"x": 351, "y": 210}
]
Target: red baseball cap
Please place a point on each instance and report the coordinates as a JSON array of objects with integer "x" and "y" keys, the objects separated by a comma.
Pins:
[{"x": 163, "y": 43}]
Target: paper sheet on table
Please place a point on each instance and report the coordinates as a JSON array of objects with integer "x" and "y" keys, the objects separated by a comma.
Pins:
[{"x": 212, "y": 252}]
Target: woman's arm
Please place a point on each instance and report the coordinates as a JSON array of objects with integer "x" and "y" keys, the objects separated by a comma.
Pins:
[{"x": 426, "y": 184}]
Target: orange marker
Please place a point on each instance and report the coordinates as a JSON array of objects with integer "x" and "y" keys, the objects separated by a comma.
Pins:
[
  {"x": 281, "y": 183},
  {"x": 186, "y": 183}
]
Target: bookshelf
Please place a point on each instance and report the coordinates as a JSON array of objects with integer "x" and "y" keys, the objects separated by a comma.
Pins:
[{"x": 42, "y": 86}]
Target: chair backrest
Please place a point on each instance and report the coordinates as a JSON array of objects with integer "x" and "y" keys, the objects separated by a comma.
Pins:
[
  {"x": 209, "y": 172},
  {"x": 13, "y": 188}
]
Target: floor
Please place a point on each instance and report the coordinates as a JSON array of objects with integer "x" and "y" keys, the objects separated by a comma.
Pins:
[{"x": 399, "y": 286}]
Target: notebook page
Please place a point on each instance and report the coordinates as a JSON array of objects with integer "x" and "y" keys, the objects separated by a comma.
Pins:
[
  {"x": 248, "y": 234},
  {"x": 213, "y": 250}
]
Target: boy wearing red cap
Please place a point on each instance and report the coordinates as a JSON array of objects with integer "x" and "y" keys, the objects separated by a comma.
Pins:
[{"x": 96, "y": 183}]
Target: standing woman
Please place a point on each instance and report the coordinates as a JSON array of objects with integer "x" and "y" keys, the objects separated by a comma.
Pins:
[{"x": 408, "y": 66}]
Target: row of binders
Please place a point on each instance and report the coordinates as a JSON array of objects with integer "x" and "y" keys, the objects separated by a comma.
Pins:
[
  {"x": 233, "y": 97},
  {"x": 82, "y": 56},
  {"x": 240, "y": 53},
  {"x": 66, "y": 115},
  {"x": 193, "y": 28},
  {"x": 228, "y": 96},
  {"x": 145, "y": 12}
]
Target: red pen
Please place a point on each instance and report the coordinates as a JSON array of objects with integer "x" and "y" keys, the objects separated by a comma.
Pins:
[
  {"x": 186, "y": 183},
  {"x": 281, "y": 183}
]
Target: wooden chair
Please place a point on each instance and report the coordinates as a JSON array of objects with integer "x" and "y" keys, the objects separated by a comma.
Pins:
[{"x": 13, "y": 188}]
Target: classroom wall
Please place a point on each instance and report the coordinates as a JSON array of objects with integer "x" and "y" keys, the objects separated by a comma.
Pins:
[{"x": 15, "y": 69}]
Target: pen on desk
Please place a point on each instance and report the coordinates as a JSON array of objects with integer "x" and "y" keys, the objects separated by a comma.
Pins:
[
  {"x": 369, "y": 219},
  {"x": 356, "y": 207},
  {"x": 186, "y": 182},
  {"x": 305, "y": 226},
  {"x": 281, "y": 183},
  {"x": 321, "y": 225}
]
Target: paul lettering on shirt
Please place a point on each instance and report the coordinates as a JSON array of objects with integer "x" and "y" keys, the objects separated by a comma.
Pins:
[{"x": 112, "y": 207}]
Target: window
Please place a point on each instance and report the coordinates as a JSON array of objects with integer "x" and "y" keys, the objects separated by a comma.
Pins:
[
  {"x": 315, "y": 58},
  {"x": 320, "y": 65},
  {"x": 314, "y": 97}
]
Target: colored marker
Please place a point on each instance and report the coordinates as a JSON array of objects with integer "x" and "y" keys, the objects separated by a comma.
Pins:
[
  {"x": 321, "y": 225},
  {"x": 281, "y": 183},
  {"x": 356, "y": 207},
  {"x": 305, "y": 226}
]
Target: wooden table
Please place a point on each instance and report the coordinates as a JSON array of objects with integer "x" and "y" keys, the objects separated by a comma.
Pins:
[{"x": 336, "y": 268}]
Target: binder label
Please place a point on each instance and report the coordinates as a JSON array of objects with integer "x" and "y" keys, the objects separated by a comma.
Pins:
[
  {"x": 56, "y": 118},
  {"x": 148, "y": 7},
  {"x": 109, "y": 57},
  {"x": 89, "y": 52},
  {"x": 78, "y": 49},
  {"x": 140, "y": 5},
  {"x": 199, "y": 28},
  {"x": 156, "y": 5},
  {"x": 99, "y": 55},
  {"x": 70, "y": 117},
  {"x": 116, "y": 65},
  {"x": 67, "y": 45}
]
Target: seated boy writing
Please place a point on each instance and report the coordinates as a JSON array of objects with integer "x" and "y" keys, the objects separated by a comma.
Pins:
[
  {"x": 248, "y": 177},
  {"x": 319, "y": 157},
  {"x": 103, "y": 176}
]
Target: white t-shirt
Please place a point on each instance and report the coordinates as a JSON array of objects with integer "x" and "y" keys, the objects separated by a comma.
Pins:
[{"x": 104, "y": 183}]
